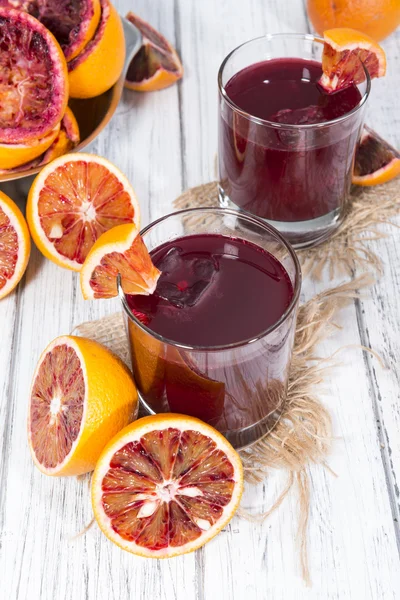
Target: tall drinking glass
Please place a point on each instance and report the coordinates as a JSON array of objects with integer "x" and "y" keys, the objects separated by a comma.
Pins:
[
  {"x": 239, "y": 388},
  {"x": 286, "y": 148}
]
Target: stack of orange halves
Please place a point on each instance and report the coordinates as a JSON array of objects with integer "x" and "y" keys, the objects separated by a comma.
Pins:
[
  {"x": 54, "y": 50},
  {"x": 48, "y": 53}
]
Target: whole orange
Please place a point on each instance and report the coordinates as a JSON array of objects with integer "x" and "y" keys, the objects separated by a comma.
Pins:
[{"x": 377, "y": 18}]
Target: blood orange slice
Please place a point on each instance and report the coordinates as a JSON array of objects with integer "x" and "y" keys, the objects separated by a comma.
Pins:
[
  {"x": 81, "y": 396},
  {"x": 15, "y": 245},
  {"x": 156, "y": 65},
  {"x": 376, "y": 161},
  {"x": 72, "y": 201},
  {"x": 67, "y": 139},
  {"x": 166, "y": 485},
  {"x": 344, "y": 48},
  {"x": 118, "y": 251},
  {"x": 33, "y": 79}
]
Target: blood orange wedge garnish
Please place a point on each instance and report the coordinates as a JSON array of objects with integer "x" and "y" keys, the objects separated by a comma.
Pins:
[
  {"x": 166, "y": 485},
  {"x": 156, "y": 65},
  {"x": 72, "y": 22},
  {"x": 81, "y": 396},
  {"x": 15, "y": 155},
  {"x": 15, "y": 245},
  {"x": 72, "y": 201},
  {"x": 33, "y": 79},
  {"x": 100, "y": 63},
  {"x": 118, "y": 251},
  {"x": 344, "y": 48},
  {"x": 376, "y": 161},
  {"x": 67, "y": 139}
]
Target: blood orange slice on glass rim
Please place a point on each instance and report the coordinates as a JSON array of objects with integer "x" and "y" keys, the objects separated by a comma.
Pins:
[
  {"x": 156, "y": 65},
  {"x": 72, "y": 201},
  {"x": 166, "y": 485},
  {"x": 119, "y": 251},
  {"x": 81, "y": 396},
  {"x": 33, "y": 78},
  {"x": 15, "y": 245},
  {"x": 376, "y": 161},
  {"x": 345, "y": 52}
]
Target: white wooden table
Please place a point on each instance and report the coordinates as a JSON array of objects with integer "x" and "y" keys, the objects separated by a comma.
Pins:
[{"x": 166, "y": 142}]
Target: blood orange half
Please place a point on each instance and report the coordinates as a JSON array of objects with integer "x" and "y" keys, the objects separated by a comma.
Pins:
[
  {"x": 165, "y": 485},
  {"x": 376, "y": 161},
  {"x": 345, "y": 52},
  {"x": 33, "y": 79},
  {"x": 156, "y": 65},
  {"x": 13, "y": 156},
  {"x": 100, "y": 63},
  {"x": 72, "y": 201},
  {"x": 15, "y": 245},
  {"x": 81, "y": 396},
  {"x": 72, "y": 22},
  {"x": 120, "y": 250}
]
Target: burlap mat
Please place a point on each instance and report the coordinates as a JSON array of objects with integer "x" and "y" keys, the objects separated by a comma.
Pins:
[
  {"x": 348, "y": 250},
  {"x": 303, "y": 434}
]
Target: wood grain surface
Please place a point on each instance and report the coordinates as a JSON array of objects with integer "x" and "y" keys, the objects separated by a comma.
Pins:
[{"x": 165, "y": 142}]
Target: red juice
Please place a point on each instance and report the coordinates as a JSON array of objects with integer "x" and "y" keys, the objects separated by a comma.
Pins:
[
  {"x": 279, "y": 172},
  {"x": 214, "y": 291}
]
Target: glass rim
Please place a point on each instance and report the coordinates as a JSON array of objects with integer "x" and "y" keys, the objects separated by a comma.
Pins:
[
  {"x": 259, "y": 120},
  {"x": 241, "y": 343}
]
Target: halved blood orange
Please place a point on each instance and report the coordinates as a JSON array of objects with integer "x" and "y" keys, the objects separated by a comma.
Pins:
[
  {"x": 376, "y": 161},
  {"x": 165, "y": 485},
  {"x": 33, "y": 78},
  {"x": 344, "y": 48},
  {"x": 15, "y": 245},
  {"x": 120, "y": 250},
  {"x": 81, "y": 396},
  {"x": 72, "y": 22},
  {"x": 72, "y": 201},
  {"x": 67, "y": 139},
  {"x": 100, "y": 63},
  {"x": 156, "y": 65},
  {"x": 15, "y": 155}
]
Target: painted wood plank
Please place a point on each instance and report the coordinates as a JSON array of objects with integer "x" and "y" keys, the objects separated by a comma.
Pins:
[{"x": 163, "y": 142}]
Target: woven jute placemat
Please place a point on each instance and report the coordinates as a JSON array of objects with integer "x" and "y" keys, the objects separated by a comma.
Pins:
[
  {"x": 348, "y": 250},
  {"x": 303, "y": 434}
]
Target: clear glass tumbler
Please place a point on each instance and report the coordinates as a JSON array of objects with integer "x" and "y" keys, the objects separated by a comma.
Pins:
[
  {"x": 239, "y": 388},
  {"x": 296, "y": 176}
]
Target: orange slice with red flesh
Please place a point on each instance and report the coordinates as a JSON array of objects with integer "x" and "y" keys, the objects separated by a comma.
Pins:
[
  {"x": 166, "y": 485},
  {"x": 33, "y": 79},
  {"x": 376, "y": 161},
  {"x": 15, "y": 245},
  {"x": 72, "y": 201},
  {"x": 344, "y": 48},
  {"x": 81, "y": 396},
  {"x": 156, "y": 65},
  {"x": 118, "y": 251}
]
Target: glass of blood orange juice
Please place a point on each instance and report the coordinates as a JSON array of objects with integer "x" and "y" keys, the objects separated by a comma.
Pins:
[
  {"x": 215, "y": 340},
  {"x": 286, "y": 147}
]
